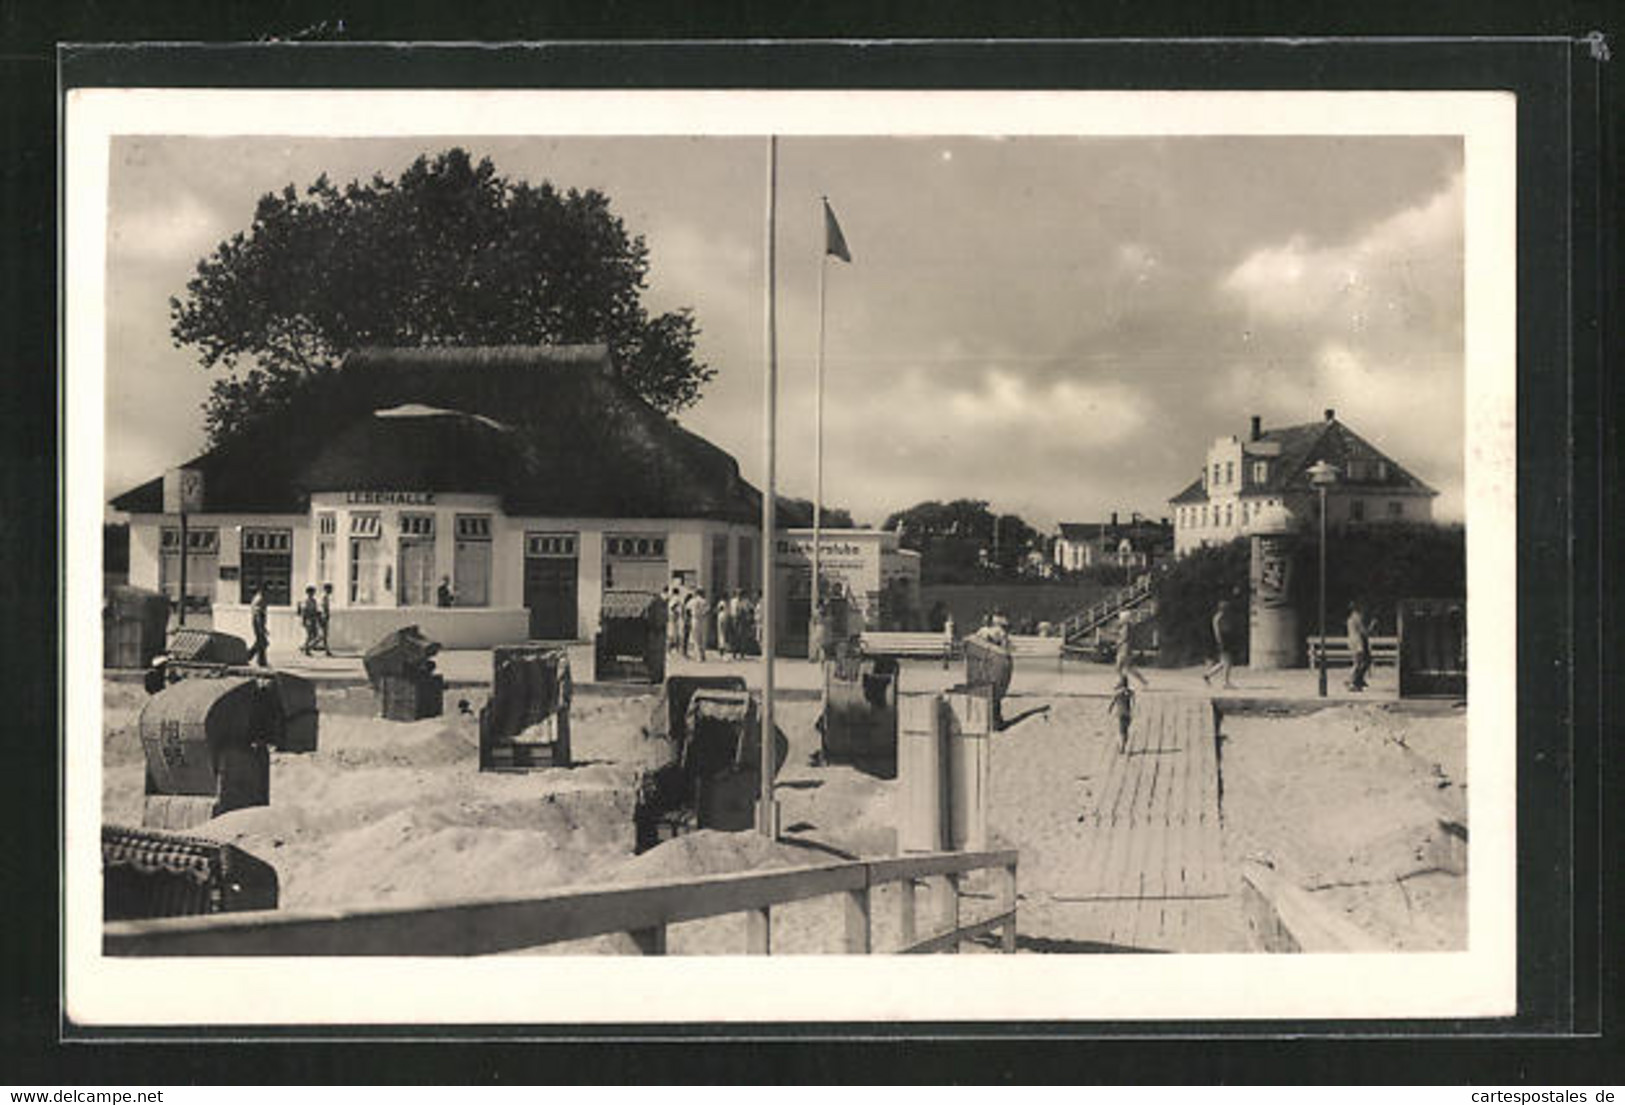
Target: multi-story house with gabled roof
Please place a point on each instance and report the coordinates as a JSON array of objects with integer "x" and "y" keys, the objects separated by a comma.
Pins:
[{"x": 1240, "y": 477}]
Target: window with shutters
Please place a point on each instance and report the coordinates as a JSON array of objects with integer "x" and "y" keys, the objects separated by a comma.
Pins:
[{"x": 202, "y": 563}]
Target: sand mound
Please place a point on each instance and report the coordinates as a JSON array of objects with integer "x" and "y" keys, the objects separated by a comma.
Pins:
[
  {"x": 1348, "y": 803},
  {"x": 707, "y": 852}
]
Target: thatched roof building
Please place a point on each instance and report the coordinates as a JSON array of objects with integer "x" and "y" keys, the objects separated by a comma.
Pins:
[{"x": 553, "y": 430}]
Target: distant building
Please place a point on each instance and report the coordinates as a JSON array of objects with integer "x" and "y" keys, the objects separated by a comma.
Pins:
[
  {"x": 1270, "y": 468},
  {"x": 1137, "y": 543}
]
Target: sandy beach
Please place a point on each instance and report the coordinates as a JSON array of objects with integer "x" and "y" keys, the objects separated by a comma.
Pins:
[{"x": 1347, "y": 802}]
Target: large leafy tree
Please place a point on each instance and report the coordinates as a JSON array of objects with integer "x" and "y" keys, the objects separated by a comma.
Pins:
[
  {"x": 963, "y": 538},
  {"x": 450, "y": 253}
]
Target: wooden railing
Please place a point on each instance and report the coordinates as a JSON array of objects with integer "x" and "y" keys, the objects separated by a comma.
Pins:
[
  {"x": 1384, "y": 652},
  {"x": 641, "y": 912},
  {"x": 1099, "y": 613}
]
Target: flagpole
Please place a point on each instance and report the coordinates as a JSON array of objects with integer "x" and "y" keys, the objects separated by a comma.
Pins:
[
  {"x": 818, "y": 455},
  {"x": 767, "y": 820}
]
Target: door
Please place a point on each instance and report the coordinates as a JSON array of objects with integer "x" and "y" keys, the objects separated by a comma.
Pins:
[
  {"x": 550, "y": 595},
  {"x": 550, "y": 585},
  {"x": 267, "y": 563}
]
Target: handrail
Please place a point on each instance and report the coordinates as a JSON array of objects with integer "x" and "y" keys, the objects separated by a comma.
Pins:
[
  {"x": 1102, "y": 609},
  {"x": 489, "y": 926}
]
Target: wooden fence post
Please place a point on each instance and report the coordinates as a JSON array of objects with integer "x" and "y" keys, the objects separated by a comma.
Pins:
[
  {"x": 1007, "y": 902},
  {"x": 952, "y": 901},
  {"x": 650, "y": 941},
  {"x": 857, "y": 921},
  {"x": 758, "y": 932},
  {"x": 908, "y": 924}
]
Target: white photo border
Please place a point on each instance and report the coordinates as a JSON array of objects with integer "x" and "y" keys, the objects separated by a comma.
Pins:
[{"x": 1478, "y": 982}]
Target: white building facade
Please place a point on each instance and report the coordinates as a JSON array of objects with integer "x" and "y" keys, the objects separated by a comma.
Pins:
[
  {"x": 399, "y": 516},
  {"x": 1269, "y": 468}
]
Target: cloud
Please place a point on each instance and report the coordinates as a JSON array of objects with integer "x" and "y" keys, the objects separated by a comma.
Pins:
[
  {"x": 1371, "y": 326},
  {"x": 1097, "y": 416},
  {"x": 1403, "y": 275},
  {"x": 171, "y": 226}
]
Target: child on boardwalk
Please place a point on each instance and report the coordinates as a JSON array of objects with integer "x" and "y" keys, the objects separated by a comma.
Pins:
[{"x": 1122, "y": 704}]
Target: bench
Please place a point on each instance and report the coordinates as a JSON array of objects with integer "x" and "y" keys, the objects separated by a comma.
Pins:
[
  {"x": 1024, "y": 647},
  {"x": 1384, "y": 652},
  {"x": 932, "y": 646}
]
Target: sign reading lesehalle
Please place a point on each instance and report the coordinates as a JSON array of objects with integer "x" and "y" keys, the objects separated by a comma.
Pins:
[
  {"x": 183, "y": 491},
  {"x": 390, "y": 498}
]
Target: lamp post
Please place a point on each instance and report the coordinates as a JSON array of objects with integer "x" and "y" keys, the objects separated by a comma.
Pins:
[{"x": 1322, "y": 475}]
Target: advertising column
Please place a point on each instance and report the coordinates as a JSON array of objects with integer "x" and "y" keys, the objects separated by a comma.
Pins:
[{"x": 1272, "y": 641}]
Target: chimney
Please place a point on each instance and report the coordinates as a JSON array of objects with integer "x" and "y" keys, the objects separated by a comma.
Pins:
[
  {"x": 1330, "y": 414},
  {"x": 1258, "y": 429},
  {"x": 1114, "y": 517}
]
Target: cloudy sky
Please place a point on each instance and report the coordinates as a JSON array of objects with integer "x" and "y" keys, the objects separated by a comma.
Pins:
[{"x": 1057, "y": 325}]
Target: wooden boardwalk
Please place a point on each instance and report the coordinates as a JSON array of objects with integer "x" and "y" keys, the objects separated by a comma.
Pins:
[{"x": 1152, "y": 871}]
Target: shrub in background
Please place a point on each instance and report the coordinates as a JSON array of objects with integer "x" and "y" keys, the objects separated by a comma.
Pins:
[
  {"x": 1380, "y": 565},
  {"x": 1187, "y": 593}
]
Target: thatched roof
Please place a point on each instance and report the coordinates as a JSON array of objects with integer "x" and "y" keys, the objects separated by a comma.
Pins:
[{"x": 553, "y": 430}]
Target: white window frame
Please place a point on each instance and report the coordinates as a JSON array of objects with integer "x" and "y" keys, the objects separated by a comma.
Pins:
[
  {"x": 471, "y": 532},
  {"x": 473, "y": 527},
  {"x": 413, "y": 524},
  {"x": 552, "y": 546}
]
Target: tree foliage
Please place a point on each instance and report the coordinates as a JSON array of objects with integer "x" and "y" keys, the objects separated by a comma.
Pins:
[
  {"x": 450, "y": 253},
  {"x": 963, "y": 540},
  {"x": 1186, "y": 595},
  {"x": 832, "y": 517}
]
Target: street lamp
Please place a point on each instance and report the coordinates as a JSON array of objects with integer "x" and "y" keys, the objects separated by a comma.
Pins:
[{"x": 1322, "y": 475}]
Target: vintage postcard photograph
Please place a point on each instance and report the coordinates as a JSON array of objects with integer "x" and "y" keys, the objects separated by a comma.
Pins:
[{"x": 606, "y": 558}]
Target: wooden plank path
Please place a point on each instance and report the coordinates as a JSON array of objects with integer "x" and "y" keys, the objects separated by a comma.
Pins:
[{"x": 1150, "y": 870}]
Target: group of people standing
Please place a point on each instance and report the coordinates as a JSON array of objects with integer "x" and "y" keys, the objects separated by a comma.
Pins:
[{"x": 694, "y": 623}]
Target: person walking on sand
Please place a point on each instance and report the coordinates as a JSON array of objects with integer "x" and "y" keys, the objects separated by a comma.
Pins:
[
  {"x": 1122, "y": 704},
  {"x": 1125, "y": 650},
  {"x": 310, "y": 616},
  {"x": 325, "y": 612},
  {"x": 262, "y": 636},
  {"x": 1359, "y": 646},
  {"x": 1221, "y": 627}
]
